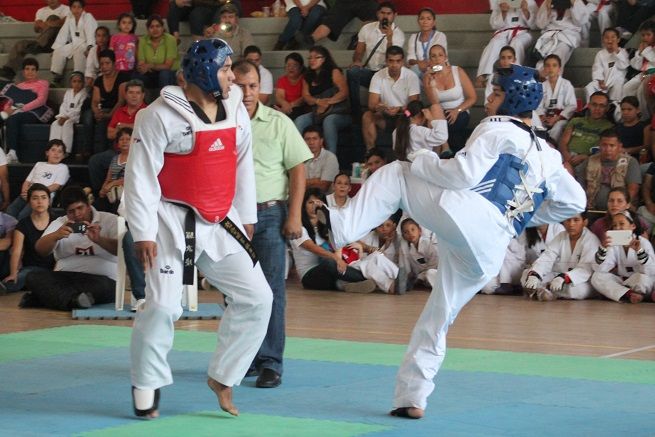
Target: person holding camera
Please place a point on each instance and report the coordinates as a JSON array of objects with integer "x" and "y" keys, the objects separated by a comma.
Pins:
[
  {"x": 229, "y": 30},
  {"x": 373, "y": 40},
  {"x": 84, "y": 244}
]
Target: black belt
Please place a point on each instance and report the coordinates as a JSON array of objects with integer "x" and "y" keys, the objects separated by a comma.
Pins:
[
  {"x": 270, "y": 204},
  {"x": 188, "y": 274}
]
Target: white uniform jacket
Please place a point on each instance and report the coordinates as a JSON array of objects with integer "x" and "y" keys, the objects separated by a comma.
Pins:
[
  {"x": 79, "y": 34},
  {"x": 415, "y": 46},
  {"x": 513, "y": 17},
  {"x": 421, "y": 137},
  {"x": 558, "y": 257},
  {"x": 561, "y": 97},
  {"x": 72, "y": 104},
  {"x": 418, "y": 260},
  {"x": 610, "y": 67},
  {"x": 569, "y": 28},
  {"x": 643, "y": 60}
]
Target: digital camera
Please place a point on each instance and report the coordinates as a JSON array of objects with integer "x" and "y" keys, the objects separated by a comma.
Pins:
[
  {"x": 78, "y": 228},
  {"x": 436, "y": 68}
]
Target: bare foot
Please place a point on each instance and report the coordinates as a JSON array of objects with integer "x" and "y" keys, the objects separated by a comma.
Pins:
[
  {"x": 480, "y": 81},
  {"x": 224, "y": 395},
  {"x": 634, "y": 297},
  {"x": 408, "y": 412}
]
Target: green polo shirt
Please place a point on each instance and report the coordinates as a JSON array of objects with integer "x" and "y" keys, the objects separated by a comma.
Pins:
[
  {"x": 277, "y": 147},
  {"x": 167, "y": 49},
  {"x": 586, "y": 133}
]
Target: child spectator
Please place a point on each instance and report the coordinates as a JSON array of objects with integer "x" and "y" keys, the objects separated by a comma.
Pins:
[
  {"x": 562, "y": 23},
  {"x": 506, "y": 58},
  {"x": 634, "y": 263},
  {"x": 643, "y": 60},
  {"x": 102, "y": 37},
  {"x": 634, "y": 133},
  {"x": 512, "y": 28},
  {"x": 69, "y": 111},
  {"x": 559, "y": 102},
  {"x": 52, "y": 173},
  {"x": 112, "y": 189},
  {"x": 339, "y": 198},
  {"x": 24, "y": 258},
  {"x": 124, "y": 43},
  {"x": 417, "y": 253},
  {"x": 565, "y": 267},
  {"x": 610, "y": 65},
  {"x": 420, "y": 128},
  {"x": 418, "y": 47}
]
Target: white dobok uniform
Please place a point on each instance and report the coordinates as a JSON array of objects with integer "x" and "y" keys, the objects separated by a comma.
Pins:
[
  {"x": 452, "y": 198},
  {"x": 169, "y": 125},
  {"x": 71, "y": 42},
  {"x": 577, "y": 264},
  {"x": 380, "y": 266},
  {"x": 610, "y": 68},
  {"x": 562, "y": 99},
  {"x": 70, "y": 107},
  {"x": 512, "y": 30},
  {"x": 642, "y": 61},
  {"x": 419, "y": 260},
  {"x": 631, "y": 274},
  {"x": 560, "y": 37}
]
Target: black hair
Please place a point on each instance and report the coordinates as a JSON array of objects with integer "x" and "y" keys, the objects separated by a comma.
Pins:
[
  {"x": 401, "y": 145},
  {"x": 104, "y": 28},
  {"x": 80, "y": 2},
  {"x": 394, "y": 51},
  {"x": 507, "y": 49},
  {"x": 55, "y": 142},
  {"x": 324, "y": 75},
  {"x": 295, "y": 56},
  {"x": 555, "y": 57},
  {"x": 244, "y": 66},
  {"x": 30, "y": 61},
  {"x": 126, "y": 15},
  {"x": 386, "y": 4},
  {"x": 376, "y": 151},
  {"x": 396, "y": 216},
  {"x": 322, "y": 229},
  {"x": 600, "y": 93},
  {"x": 647, "y": 25},
  {"x": 614, "y": 30},
  {"x": 107, "y": 54},
  {"x": 73, "y": 194},
  {"x": 124, "y": 130},
  {"x": 341, "y": 173},
  {"x": 631, "y": 100},
  {"x": 135, "y": 82},
  {"x": 428, "y": 10},
  {"x": 155, "y": 17},
  {"x": 610, "y": 133},
  {"x": 409, "y": 221},
  {"x": 634, "y": 219},
  {"x": 252, "y": 49},
  {"x": 313, "y": 128},
  {"x": 37, "y": 187}
]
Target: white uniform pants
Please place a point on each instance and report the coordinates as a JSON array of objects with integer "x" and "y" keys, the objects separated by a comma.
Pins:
[
  {"x": 63, "y": 132},
  {"x": 614, "y": 287},
  {"x": 569, "y": 291},
  {"x": 61, "y": 54},
  {"x": 458, "y": 278},
  {"x": 563, "y": 50},
  {"x": 614, "y": 90},
  {"x": 604, "y": 17},
  {"x": 490, "y": 54},
  {"x": 240, "y": 332}
]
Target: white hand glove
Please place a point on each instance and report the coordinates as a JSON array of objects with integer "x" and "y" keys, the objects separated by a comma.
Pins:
[
  {"x": 557, "y": 284},
  {"x": 532, "y": 282}
]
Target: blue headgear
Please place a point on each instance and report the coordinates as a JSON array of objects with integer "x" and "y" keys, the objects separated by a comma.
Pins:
[
  {"x": 202, "y": 62},
  {"x": 523, "y": 92}
]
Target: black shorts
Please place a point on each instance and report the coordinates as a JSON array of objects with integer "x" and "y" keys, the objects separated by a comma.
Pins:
[{"x": 343, "y": 11}]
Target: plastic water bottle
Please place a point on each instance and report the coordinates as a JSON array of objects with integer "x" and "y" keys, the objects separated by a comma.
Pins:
[{"x": 278, "y": 10}]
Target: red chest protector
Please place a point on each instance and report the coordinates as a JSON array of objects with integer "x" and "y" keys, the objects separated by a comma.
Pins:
[{"x": 205, "y": 178}]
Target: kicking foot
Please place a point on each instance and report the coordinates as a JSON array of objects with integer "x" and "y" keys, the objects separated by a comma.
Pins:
[
  {"x": 145, "y": 403},
  {"x": 407, "y": 412},
  {"x": 224, "y": 395}
]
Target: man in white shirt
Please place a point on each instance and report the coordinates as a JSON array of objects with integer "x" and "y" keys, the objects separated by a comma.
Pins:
[
  {"x": 47, "y": 22},
  {"x": 373, "y": 40},
  {"x": 254, "y": 55},
  {"x": 392, "y": 88},
  {"x": 324, "y": 166}
]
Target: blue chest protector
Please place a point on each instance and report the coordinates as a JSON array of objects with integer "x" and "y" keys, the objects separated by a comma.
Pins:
[{"x": 504, "y": 186}]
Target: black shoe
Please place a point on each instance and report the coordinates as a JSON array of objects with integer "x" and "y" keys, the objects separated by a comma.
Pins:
[
  {"x": 292, "y": 45},
  {"x": 304, "y": 41},
  {"x": 269, "y": 378},
  {"x": 278, "y": 46},
  {"x": 28, "y": 301},
  {"x": 252, "y": 372}
]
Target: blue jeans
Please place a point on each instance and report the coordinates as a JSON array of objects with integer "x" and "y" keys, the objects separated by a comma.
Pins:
[
  {"x": 19, "y": 208},
  {"x": 270, "y": 245},
  {"x": 14, "y": 124},
  {"x": 20, "y": 278},
  {"x": 297, "y": 22},
  {"x": 331, "y": 126},
  {"x": 98, "y": 166},
  {"x": 357, "y": 76},
  {"x": 133, "y": 267}
]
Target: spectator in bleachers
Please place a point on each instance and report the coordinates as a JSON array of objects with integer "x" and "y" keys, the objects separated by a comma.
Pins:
[
  {"x": 323, "y": 167},
  {"x": 625, "y": 272},
  {"x": 84, "y": 246},
  {"x": 610, "y": 168},
  {"x": 643, "y": 61},
  {"x": 417, "y": 253},
  {"x": 340, "y": 13},
  {"x": 506, "y": 58},
  {"x": 559, "y": 102},
  {"x": 254, "y": 55},
  {"x": 373, "y": 40},
  {"x": 418, "y": 46},
  {"x": 635, "y": 134},
  {"x": 288, "y": 88},
  {"x": 4, "y": 181},
  {"x": 374, "y": 159},
  {"x": 75, "y": 39},
  {"x": 455, "y": 92},
  {"x": 603, "y": 12},
  {"x": 108, "y": 95},
  {"x": 512, "y": 28},
  {"x": 563, "y": 270},
  {"x": 583, "y": 133},
  {"x": 229, "y": 30},
  {"x": 29, "y": 106},
  {"x": 123, "y": 117},
  {"x": 420, "y": 128},
  {"x": 111, "y": 191},
  {"x": 124, "y": 43},
  {"x": 630, "y": 15},
  {"x": 618, "y": 200},
  {"x": 609, "y": 68},
  {"x": 24, "y": 258},
  {"x": 304, "y": 17},
  {"x": 92, "y": 69},
  {"x": 561, "y": 22},
  {"x": 52, "y": 173},
  {"x": 391, "y": 89},
  {"x": 325, "y": 90},
  {"x": 199, "y": 14},
  {"x": 157, "y": 55},
  {"x": 69, "y": 111},
  {"x": 47, "y": 22},
  {"x": 341, "y": 188}
]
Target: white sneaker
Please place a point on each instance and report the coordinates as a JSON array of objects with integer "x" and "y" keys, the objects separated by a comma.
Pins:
[{"x": 12, "y": 158}]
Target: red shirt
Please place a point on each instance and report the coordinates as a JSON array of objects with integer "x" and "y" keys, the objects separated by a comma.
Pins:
[
  {"x": 291, "y": 92},
  {"x": 123, "y": 116}
]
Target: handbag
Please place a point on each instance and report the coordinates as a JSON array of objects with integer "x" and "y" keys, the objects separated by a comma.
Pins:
[{"x": 342, "y": 107}]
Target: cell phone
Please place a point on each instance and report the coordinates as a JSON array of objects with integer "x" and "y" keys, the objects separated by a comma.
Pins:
[
  {"x": 620, "y": 238},
  {"x": 436, "y": 68},
  {"x": 385, "y": 22},
  {"x": 514, "y": 4},
  {"x": 78, "y": 228}
]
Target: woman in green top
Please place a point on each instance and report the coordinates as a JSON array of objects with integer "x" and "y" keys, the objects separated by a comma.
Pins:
[{"x": 157, "y": 56}]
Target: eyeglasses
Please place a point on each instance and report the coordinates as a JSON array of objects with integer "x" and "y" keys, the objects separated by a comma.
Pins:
[{"x": 313, "y": 58}]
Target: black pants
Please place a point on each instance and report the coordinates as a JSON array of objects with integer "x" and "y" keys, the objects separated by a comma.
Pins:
[
  {"x": 58, "y": 290},
  {"x": 324, "y": 276}
]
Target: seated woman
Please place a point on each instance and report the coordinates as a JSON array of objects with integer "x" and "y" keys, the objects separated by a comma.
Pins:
[
  {"x": 288, "y": 88},
  {"x": 340, "y": 197},
  {"x": 325, "y": 89},
  {"x": 617, "y": 201},
  {"x": 24, "y": 103},
  {"x": 318, "y": 266},
  {"x": 418, "y": 46},
  {"x": 24, "y": 258},
  {"x": 453, "y": 89},
  {"x": 157, "y": 55},
  {"x": 565, "y": 267},
  {"x": 633, "y": 264}
]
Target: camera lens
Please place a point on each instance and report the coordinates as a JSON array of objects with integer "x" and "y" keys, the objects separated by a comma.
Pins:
[{"x": 385, "y": 22}]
